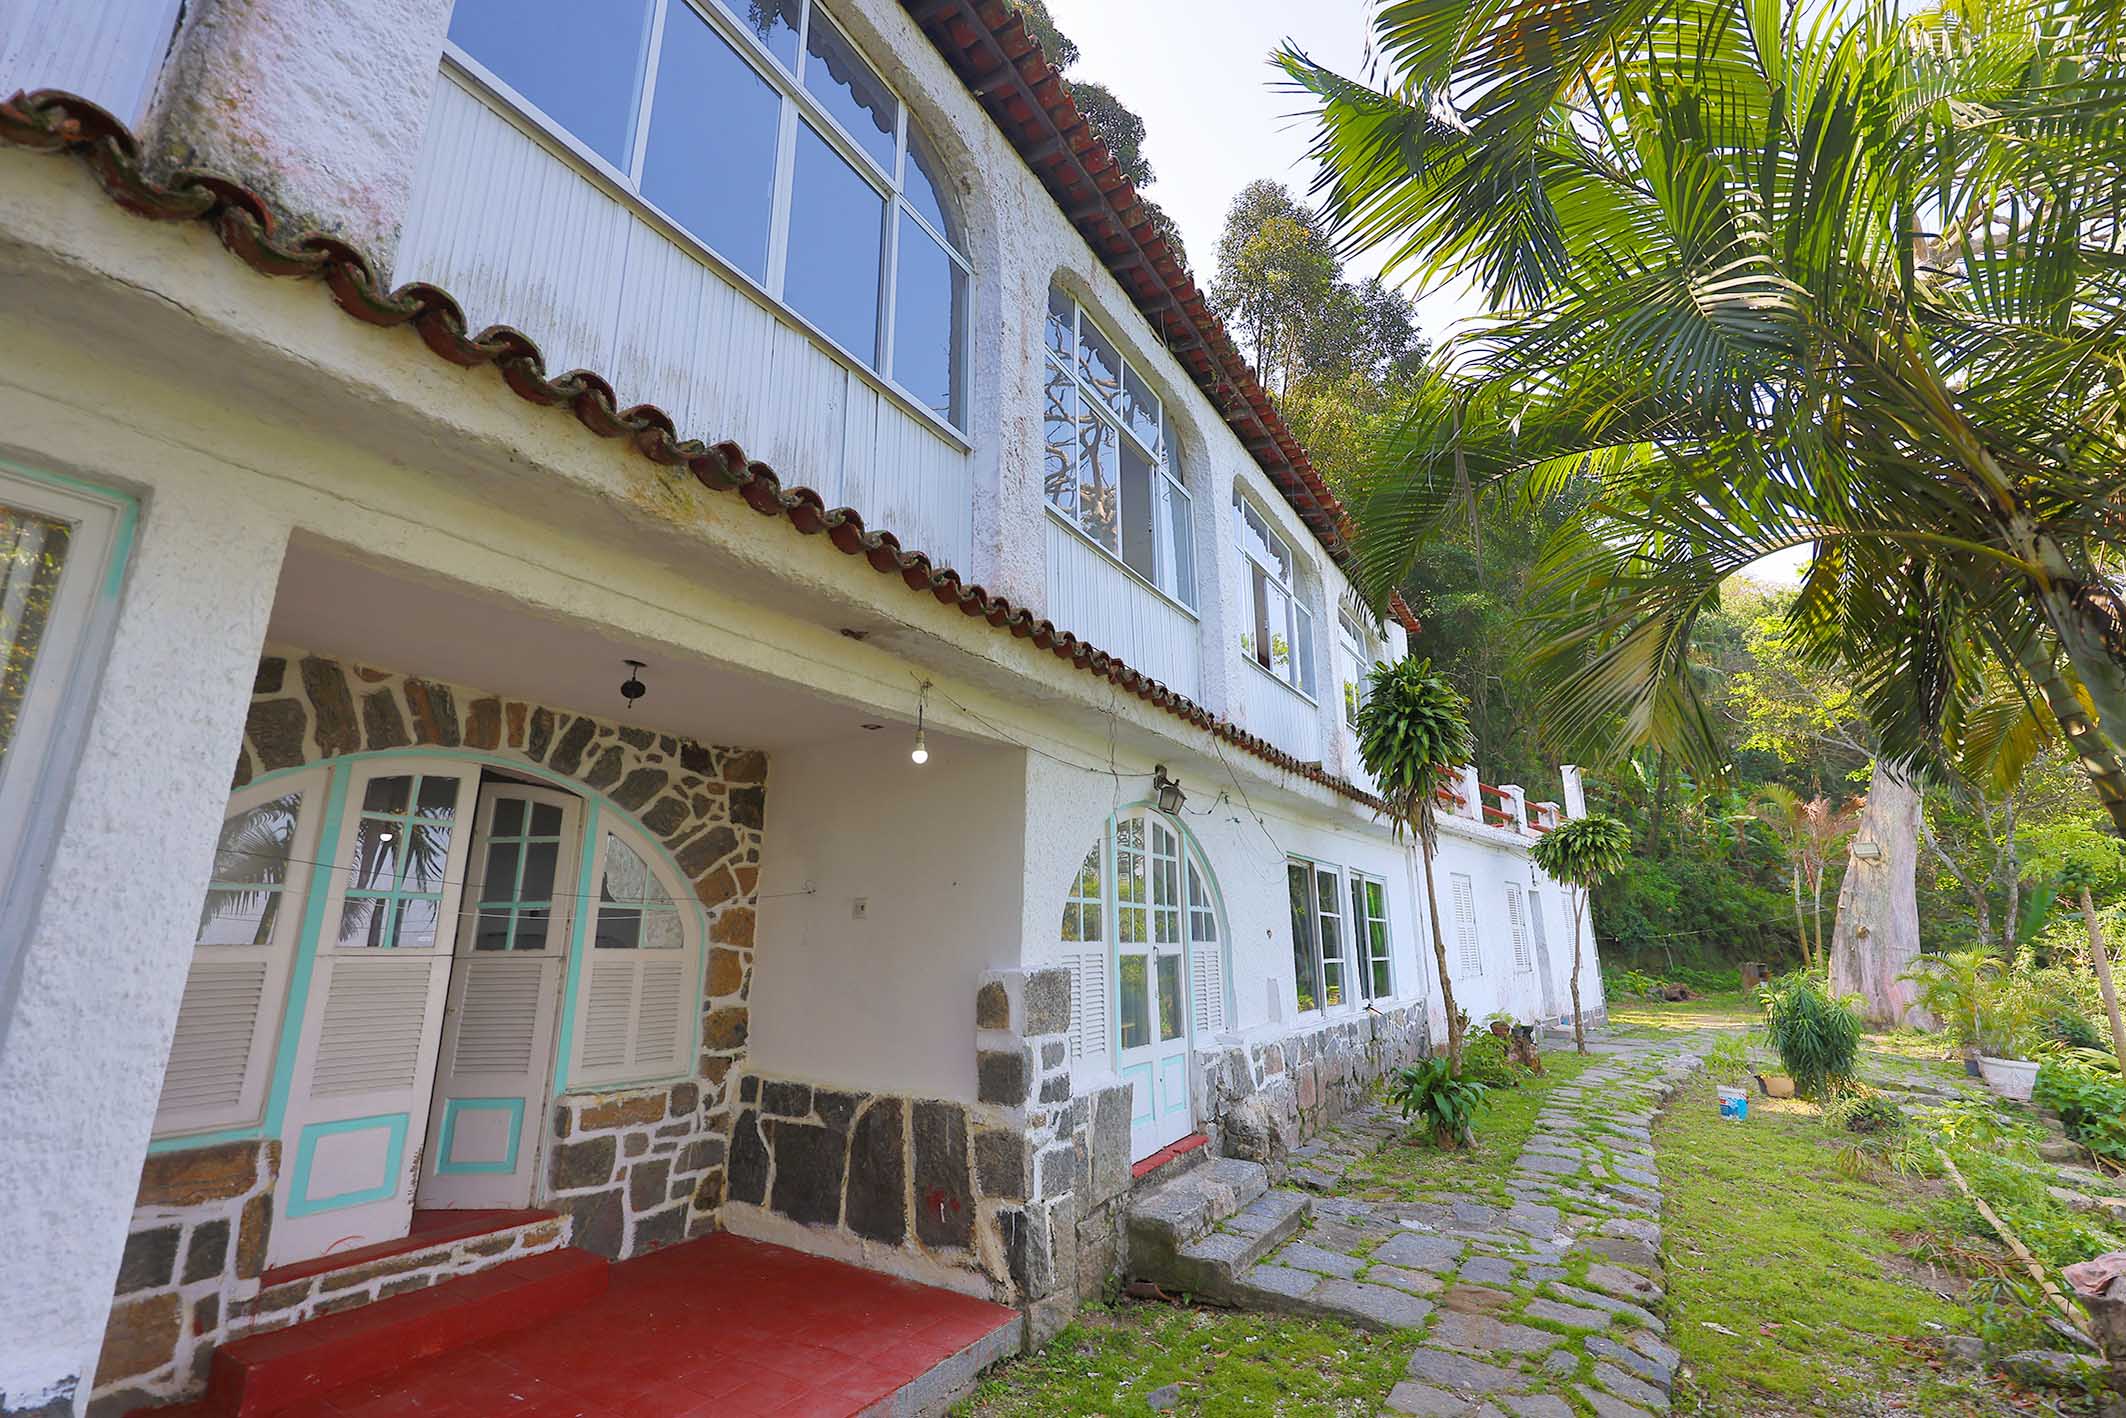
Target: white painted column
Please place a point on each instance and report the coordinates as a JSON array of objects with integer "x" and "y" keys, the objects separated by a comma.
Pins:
[
  {"x": 1471, "y": 787},
  {"x": 317, "y": 104},
  {"x": 103, "y": 970},
  {"x": 1516, "y": 805},
  {"x": 1575, "y": 792}
]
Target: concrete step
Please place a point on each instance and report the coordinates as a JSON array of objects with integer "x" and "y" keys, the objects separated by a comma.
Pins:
[
  {"x": 266, "y": 1373},
  {"x": 1211, "y": 1265},
  {"x": 1170, "y": 1217}
]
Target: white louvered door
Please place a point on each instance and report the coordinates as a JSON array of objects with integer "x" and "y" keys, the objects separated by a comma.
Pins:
[
  {"x": 1465, "y": 926},
  {"x": 357, "y": 1112},
  {"x": 498, "y": 1029}
]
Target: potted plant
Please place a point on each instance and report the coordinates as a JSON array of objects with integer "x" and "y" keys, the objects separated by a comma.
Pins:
[
  {"x": 2007, "y": 1026},
  {"x": 1952, "y": 987}
]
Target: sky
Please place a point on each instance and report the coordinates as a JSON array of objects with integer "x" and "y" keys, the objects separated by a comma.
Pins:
[{"x": 1215, "y": 113}]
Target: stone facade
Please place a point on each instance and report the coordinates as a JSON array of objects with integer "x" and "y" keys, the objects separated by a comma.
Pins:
[
  {"x": 1260, "y": 1097},
  {"x": 629, "y": 1171}
]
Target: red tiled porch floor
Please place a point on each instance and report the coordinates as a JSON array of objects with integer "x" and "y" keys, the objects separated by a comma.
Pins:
[{"x": 719, "y": 1326}]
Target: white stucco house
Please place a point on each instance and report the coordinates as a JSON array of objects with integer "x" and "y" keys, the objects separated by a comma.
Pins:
[{"x": 645, "y": 619}]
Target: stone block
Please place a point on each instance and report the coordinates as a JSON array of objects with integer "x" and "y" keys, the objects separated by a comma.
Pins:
[
  {"x": 1046, "y": 1004},
  {"x": 1425, "y": 1401},
  {"x": 198, "y": 1175},
  {"x": 834, "y": 1108},
  {"x": 646, "y": 1184},
  {"x": 577, "y": 1165},
  {"x": 1484, "y": 1334},
  {"x": 1302, "y": 1255},
  {"x": 1420, "y": 1251},
  {"x": 1000, "y": 1163},
  {"x": 1003, "y": 1075},
  {"x": 254, "y": 1231},
  {"x": 992, "y": 1006},
  {"x": 140, "y": 1338},
  {"x": 1634, "y": 1390},
  {"x": 150, "y": 1259},
  {"x": 877, "y": 1189},
  {"x": 808, "y": 1172},
  {"x": 749, "y": 1160},
  {"x": 600, "y": 1221},
  {"x": 658, "y": 1229},
  {"x": 1109, "y": 1173},
  {"x": 1376, "y": 1304},
  {"x": 1463, "y": 1374},
  {"x": 725, "y": 1029},
  {"x": 1059, "y": 1171},
  {"x": 944, "y": 1195},
  {"x": 620, "y": 1111},
  {"x": 207, "y": 1253},
  {"x": 780, "y": 1098},
  {"x": 684, "y": 1099}
]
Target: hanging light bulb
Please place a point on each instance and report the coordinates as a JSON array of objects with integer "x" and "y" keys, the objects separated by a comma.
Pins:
[{"x": 920, "y": 754}]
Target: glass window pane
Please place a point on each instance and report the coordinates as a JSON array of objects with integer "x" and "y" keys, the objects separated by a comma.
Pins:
[
  {"x": 427, "y": 854},
  {"x": 1255, "y": 640},
  {"x": 923, "y": 183},
  {"x": 1062, "y": 322},
  {"x": 619, "y": 928},
  {"x": 661, "y": 931},
  {"x": 837, "y": 222},
  {"x": 1059, "y": 466},
  {"x": 250, "y": 872},
  {"x": 773, "y": 23},
  {"x": 508, "y": 817},
  {"x": 1277, "y": 626},
  {"x": 1098, "y": 363},
  {"x": 438, "y": 797},
  {"x": 546, "y": 820},
  {"x": 531, "y": 930},
  {"x": 1303, "y": 651},
  {"x": 373, "y": 865},
  {"x": 929, "y": 323},
  {"x": 388, "y": 794},
  {"x": 1099, "y": 504},
  {"x": 539, "y": 859},
  {"x": 710, "y": 161},
  {"x": 1135, "y": 1014},
  {"x": 845, "y": 86},
  {"x": 1139, "y": 541},
  {"x": 1169, "y": 997},
  {"x": 492, "y": 928},
  {"x": 1180, "y": 580},
  {"x": 1140, "y": 410},
  {"x": 499, "y": 883},
  {"x": 583, "y": 74},
  {"x": 33, "y": 551},
  {"x": 417, "y": 923},
  {"x": 1300, "y": 877}
]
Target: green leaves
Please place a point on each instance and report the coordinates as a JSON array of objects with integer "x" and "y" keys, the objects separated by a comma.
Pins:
[
  {"x": 1583, "y": 852},
  {"x": 1412, "y": 728},
  {"x": 1428, "y": 1094},
  {"x": 1818, "y": 1038}
]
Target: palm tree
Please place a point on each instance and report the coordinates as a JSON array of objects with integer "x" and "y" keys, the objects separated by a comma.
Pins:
[
  {"x": 1413, "y": 728},
  {"x": 1766, "y": 277},
  {"x": 1584, "y": 853},
  {"x": 2077, "y": 879}
]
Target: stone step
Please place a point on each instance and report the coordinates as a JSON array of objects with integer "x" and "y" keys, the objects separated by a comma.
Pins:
[
  {"x": 1168, "y": 1218},
  {"x": 1210, "y": 1265}
]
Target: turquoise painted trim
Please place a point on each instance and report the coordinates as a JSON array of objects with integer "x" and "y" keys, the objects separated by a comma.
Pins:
[
  {"x": 452, "y": 1107},
  {"x": 572, "y": 980},
  {"x": 301, "y": 1203},
  {"x": 128, "y": 508},
  {"x": 1151, "y": 1092},
  {"x": 328, "y": 848},
  {"x": 1180, "y": 1095},
  {"x": 1210, "y": 878}
]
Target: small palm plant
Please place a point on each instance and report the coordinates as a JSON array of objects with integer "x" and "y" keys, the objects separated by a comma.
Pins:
[
  {"x": 1412, "y": 729},
  {"x": 1582, "y": 853}
]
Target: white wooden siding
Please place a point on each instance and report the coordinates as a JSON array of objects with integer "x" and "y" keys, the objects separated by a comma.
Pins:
[
  {"x": 1273, "y": 710},
  {"x": 521, "y": 236},
  {"x": 108, "y": 51},
  {"x": 1095, "y": 599}
]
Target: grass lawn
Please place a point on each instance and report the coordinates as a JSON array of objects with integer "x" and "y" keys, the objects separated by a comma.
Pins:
[
  {"x": 1734, "y": 1009},
  {"x": 1111, "y": 1358},
  {"x": 1790, "y": 1286},
  {"x": 1412, "y": 1172}
]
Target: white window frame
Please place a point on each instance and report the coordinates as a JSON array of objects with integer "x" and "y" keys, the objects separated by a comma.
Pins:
[
  {"x": 1300, "y": 671},
  {"x": 797, "y": 105},
  {"x": 1173, "y": 519},
  {"x": 52, "y": 722},
  {"x": 691, "y": 955},
  {"x": 1359, "y": 659},
  {"x": 1316, "y": 915},
  {"x": 1362, "y": 922}
]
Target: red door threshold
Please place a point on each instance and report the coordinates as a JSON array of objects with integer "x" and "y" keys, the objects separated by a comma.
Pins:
[
  {"x": 429, "y": 1228},
  {"x": 1172, "y": 1152}
]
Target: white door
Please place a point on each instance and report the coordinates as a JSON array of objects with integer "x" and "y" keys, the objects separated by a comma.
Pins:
[
  {"x": 498, "y": 1027},
  {"x": 1151, "y": 982},
  {"x": 358, "y": 1103}
]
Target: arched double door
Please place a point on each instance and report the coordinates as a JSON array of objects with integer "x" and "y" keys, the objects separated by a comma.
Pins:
[{"x": 1141, "y": 934}]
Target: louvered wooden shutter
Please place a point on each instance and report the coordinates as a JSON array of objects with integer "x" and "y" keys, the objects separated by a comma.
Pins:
[
  {"x": 637, "y": 1021},
  {"x": 1465, "y": 926},
  {"x": 1521, "y": 960},
  {"x": 1207, "y": 970},
  {"x": 498, "y": 1016},
  {"x": 1088, "y": 1004},
  {"x": 218, "y": 1052},
  {"x": 375, "y": 1014},
  {"x": 1535, "y": 918}
]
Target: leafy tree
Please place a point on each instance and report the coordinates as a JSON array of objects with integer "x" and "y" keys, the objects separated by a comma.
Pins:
[
  {"x": 2085, "y": 862},
  {"x": 1413, "y": 729},
  {"x": 1811, "y": 831},
  {"x": 1059, "y": 48},
  {"x": 1584, "y": 853},
  {"x": 1841, "y": 280}
]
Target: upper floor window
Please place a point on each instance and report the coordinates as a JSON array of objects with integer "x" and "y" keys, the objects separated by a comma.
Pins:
[
  {"x": 1358, "y": 658},
  {"x": 1109, "y": 470},
  {"x": 756, "y": 127},
  {"x": 1277, "y": 632}
]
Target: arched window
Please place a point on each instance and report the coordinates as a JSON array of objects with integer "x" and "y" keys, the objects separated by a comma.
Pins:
[
  {"x": 1109, "y": 469},
  {"x": 641, "y": 994},
  {"x": 760, "y": 130},
  {"x": 1140, "y": 934}
]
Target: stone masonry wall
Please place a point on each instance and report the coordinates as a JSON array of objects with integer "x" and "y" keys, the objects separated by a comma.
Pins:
[
  {"x": 629, "y": 1170},
  {"x": 1262, "y": 1097}
]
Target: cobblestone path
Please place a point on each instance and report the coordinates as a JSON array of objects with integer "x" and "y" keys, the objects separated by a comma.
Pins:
[{"x": 1557, "y": 1293}]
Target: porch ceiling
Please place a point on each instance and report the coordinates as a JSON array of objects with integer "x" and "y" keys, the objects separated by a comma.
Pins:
[{"x": 394, "y": 619}]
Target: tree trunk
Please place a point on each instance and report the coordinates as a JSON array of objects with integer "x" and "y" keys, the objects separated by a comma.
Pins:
[
  {"x": 1971, "y": 889},
  {"x": 1801, "y": 921},
  {"x": 1816, "y": 899},
  {"x": 2011, "y": 872},
  {"x": 1875, "y": 939},
  {"x": 1439, "y": 954},
  {"x": 2100, "y": 957},
  {"x": 1579, "y": 1031}
]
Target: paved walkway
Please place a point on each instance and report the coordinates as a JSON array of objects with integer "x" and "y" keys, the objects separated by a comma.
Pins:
[{"x": 1558, "y": 1290}]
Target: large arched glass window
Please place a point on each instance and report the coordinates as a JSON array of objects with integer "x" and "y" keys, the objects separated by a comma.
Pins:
[
  {"x": 756, "y": 127},
  {"x": 1109, "y": 470}
]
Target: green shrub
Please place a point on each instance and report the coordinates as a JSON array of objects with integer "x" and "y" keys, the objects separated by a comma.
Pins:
[
  {"x": 1817, "y": 1037},
  {"x": 1484, "y": 1061},
  {"x": 2091, "y": 1105},
  {"x": 1728, "y": 1061},
  {"x": 1428, "y": 1093},
  {"x": 2074, "y": 1031},
  {"x": 1627, "y": 984},
  {"x": 1863, "y": 1110}
]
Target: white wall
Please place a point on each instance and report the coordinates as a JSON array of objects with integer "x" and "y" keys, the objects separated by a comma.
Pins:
[
  {"x": 108, "y": 51},
  {"x": 885, "y": 1002}
]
